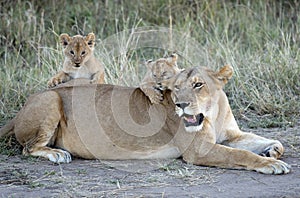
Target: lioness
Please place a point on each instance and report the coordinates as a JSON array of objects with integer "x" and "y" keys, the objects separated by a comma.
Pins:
[
  {"x": 158, "y": 71},
  {"x": 80, "y": 61},
  {"x": 113, "y": 122}
]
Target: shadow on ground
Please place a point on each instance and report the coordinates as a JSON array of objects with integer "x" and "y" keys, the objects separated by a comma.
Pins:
[{"x": 32, "y": 177}]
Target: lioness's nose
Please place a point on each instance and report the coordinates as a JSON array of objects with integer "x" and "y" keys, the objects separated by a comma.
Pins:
[{"x": 182, "y": 105}]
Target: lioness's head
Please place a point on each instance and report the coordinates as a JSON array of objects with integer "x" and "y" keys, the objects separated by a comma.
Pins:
[
  {"x": 195, "y": 91},
  {"x": 78, "y": 49},
  {"x": 163, "y": 69}
]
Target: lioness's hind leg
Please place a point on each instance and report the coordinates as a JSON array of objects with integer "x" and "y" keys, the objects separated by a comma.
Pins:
[
  {"x": 39, "y": 146},
  {"x": 37, "y": 127},
  {"x": 257, "y": 144}
]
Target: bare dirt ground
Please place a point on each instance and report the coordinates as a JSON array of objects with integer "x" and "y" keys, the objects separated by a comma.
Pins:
[{"x": 32, "y": 177}]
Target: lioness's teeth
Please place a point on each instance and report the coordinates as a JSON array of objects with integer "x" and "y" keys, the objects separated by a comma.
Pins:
[{"x": 191, "y": 119}]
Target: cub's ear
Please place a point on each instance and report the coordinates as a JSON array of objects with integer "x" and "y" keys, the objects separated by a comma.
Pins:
[
  {"x": 64, "y": 40},
  {"x": 172, "y": 59},
  {"x": 148, "y": 63},
  {"x": 90, "y": 39},
  {"x": 225, "y": 73}
]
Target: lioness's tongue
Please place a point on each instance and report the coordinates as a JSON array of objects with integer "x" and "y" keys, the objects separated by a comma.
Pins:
[{"x": 190, "y": 119}]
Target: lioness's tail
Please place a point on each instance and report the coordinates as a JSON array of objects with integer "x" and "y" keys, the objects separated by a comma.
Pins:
[{"x": 8, "y": 128}]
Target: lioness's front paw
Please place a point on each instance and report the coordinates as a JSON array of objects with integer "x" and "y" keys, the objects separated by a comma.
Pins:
[
  {"x": 274, "y": 166},
  {"x": 59, "y": 156}
]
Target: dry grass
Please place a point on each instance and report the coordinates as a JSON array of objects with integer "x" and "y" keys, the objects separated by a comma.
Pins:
[{"x": 260, "y": 39}]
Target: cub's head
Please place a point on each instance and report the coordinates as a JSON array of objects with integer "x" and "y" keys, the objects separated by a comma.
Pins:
[
  {"x": 196, "y": 92},
  {"x": 78, "y": 49},
  {"x": 163, "y": 69}
]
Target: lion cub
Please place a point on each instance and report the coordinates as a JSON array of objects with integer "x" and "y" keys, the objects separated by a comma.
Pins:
[
  {"x": 80, "y": 61},
  {"x": 157, "y": 72}
]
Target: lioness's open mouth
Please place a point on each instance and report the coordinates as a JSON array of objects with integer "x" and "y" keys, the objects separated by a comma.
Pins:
[{"x": 193, "y": 120}]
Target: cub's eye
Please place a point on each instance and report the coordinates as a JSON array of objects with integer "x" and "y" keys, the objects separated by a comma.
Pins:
[
  {"x": 72, "y": 52},
  {"x": 198, "y": 85},
  {"x": 82, "y": 53},
  {"x": 164, "y": 74},
  {"x": 176, "y": 87},
  {"x": 154, "y": 76}
]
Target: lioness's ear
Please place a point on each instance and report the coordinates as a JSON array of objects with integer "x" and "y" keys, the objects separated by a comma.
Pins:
[
  {"x": 225, "y": 73},
  {"x": 64, "y": 40},
  {"x": 172, "y": 60},
  {"x": 90, "y": 39}
]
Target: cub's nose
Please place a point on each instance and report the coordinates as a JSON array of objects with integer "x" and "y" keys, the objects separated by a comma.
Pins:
[{"x": 182, "y": 105}]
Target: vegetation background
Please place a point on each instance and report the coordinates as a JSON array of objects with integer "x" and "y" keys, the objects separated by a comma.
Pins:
[{"x": 260, "y": 39}]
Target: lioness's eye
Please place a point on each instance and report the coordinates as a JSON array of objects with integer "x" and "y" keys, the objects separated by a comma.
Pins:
[
  {"x": 72, "y": 52},
  {"x": 83, "y": 53},
  {"x": 176, "y": 87},
  {"x": 154, "y": 76},
  {"x": 198, "y": 85}
]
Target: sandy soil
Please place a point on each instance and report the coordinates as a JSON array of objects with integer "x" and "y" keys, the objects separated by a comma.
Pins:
[{"x": 32, "y": 177}]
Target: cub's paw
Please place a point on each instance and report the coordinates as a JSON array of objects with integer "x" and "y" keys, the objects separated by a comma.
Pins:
[
  {"x": 54, "y": 82},
  {"x": 94, "y": 81},
  {"x": 155, "y": 96},
  {"x": 59, "y": 156},
  {"x": 273, "y": 166},
  {"x": 274, "y": 151}
]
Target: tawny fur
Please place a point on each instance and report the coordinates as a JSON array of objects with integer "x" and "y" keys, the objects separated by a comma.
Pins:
[
  {"x": 113, "y": 122},
  {"x": 157, "y": 72},
  {"x": 80, "y": 61}
]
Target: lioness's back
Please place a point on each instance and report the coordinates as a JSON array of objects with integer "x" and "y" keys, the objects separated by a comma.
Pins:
[{"x": 121, "y": 117}]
